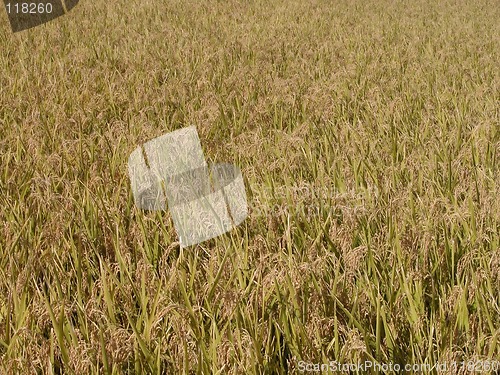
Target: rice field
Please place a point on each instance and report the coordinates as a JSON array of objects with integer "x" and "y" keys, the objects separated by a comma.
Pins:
[{"x": 367, "y": 133}]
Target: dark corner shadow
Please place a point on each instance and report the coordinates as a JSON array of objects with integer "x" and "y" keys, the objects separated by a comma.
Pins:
[
  {"x": 70, "y": 4},
  {"x": 26, "y": 14}
]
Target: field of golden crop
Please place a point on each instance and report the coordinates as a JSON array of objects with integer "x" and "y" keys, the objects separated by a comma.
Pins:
[{"x": 368, "y": 136}]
